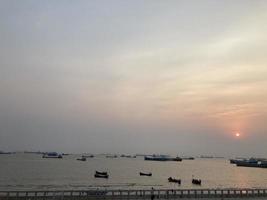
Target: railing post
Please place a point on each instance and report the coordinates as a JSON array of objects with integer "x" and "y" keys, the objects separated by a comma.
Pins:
[
  {"x": 7, "y": 195},
  {"x": 144, "y": 194}
]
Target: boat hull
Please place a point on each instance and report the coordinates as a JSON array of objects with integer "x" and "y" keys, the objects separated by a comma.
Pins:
[
  {"x": 145, "y": 174},
  {"x": 101, "y": 176},
  {"x": 154, "y": 158}
]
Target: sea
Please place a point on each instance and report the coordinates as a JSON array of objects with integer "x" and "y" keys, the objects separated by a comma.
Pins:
[{"x": 32, "y": 172}]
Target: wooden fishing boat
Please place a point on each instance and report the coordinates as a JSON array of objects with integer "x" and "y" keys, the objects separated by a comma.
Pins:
[
  {"x": 145, "y": 174},
  {"x": 101, "y": 176},
  {"x": 174, "y": 180},
  {"x": 101, "y": 173}
]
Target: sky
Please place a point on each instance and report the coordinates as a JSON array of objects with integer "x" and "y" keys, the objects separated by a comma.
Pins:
[{"x": 173, "y": 77}]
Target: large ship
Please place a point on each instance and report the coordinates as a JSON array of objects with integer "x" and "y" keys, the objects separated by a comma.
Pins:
[
  {"x": 252, "y": 162},
  {"x": 162, "y": 158},
  {"x": 4, "y": 152},
  {"x": 52, "y": 155}
]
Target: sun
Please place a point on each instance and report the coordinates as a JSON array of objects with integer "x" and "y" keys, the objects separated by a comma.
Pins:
[{"x": 237, "y": 134}]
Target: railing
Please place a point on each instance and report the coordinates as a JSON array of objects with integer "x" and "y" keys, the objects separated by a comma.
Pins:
[{"x": 132, "y": 194}]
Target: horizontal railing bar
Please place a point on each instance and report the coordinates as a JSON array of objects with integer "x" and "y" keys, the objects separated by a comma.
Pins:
[{"x": 142, "y": 193}]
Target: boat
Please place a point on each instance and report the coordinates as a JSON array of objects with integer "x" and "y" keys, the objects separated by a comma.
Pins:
[
  {"x": 177, "y": 159},
  {"x": 145, "y": 174},
  {"x": 111, "y": 156},
  {"x": 52, "y": 155},
  {"x": 188, "y": 158},
  {"x": 174, "y": 180},
  {"x": 88, "y": 156},
  {"x": 81, "y": 159},
  {"x": 101, "y": 173},
  {"x": 252, "y": 162},
  {"x": 162, "y": 158},
  {"x": 263, "y": 164},
  {"x": 101, "y": 176},
  {"x": 209, "y": 157},
  {"x": 196, "y": 181},
  {"x": 4, "y": 152},
  {"x": 233, "y": 161}
]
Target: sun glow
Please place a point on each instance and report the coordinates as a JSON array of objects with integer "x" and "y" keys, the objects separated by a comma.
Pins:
[{"x": 237, "y": 134}]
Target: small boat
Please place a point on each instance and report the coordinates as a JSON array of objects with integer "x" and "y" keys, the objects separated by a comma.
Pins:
[
  {"x": 174, "y": 180},
  {"x": 81, "y": 159},
  {"x": 188, "y": 158},
  {"x": 101, "y": 173},
  {"x": 4, "y": 152},
  {"x": 196, "y": 181},
  {"x": 101, "y": 176},
  {"x": 111, "y": 156},
  {"x": 145, "y": 174},
  {"x": 88, "y": 156},
  {"x": 52, "y": 155}
]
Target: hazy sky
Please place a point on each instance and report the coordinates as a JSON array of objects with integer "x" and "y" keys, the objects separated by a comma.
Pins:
[{"x": 139, "y": 76}]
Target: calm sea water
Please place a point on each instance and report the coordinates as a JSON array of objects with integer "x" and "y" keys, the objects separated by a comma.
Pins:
[{"x": 31, "y": 171}]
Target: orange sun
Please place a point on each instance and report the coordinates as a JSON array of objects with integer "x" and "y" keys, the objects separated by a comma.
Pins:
[{"x": 237, "y": 134}]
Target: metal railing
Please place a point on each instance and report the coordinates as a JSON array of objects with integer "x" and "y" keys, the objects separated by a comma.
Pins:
[{"x": 132, "y": 194}]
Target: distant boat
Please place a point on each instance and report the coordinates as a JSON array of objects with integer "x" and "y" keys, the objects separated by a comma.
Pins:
[
  {"x": 145, "y": 174},
  {"x": 188, "y": 158},
  {"x": 234, "y": 161},
  {"x": 101, "y": 176},
  {"x": 174, "y": 180},
  {"x": 111, "y": 156},
  {"x": 52, "y": 155},
  {"x": 196, "y": 181},
  {"x": 101, "y": 173},
  {"x": 162, "y": 158},
  {"x": 81, "y": 159},
  {"x": 88, "y": 156},
  {"x": 206, "y": 157},
  {"x": 3, "y": 152}
]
